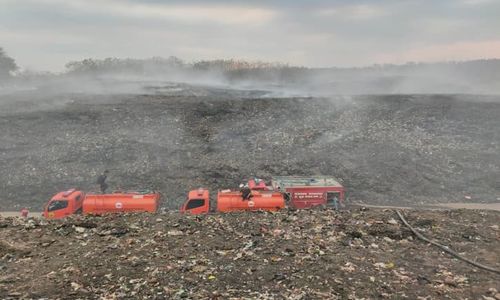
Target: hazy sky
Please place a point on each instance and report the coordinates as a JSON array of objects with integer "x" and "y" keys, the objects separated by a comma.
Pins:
[{"x": 45, "y": 34}]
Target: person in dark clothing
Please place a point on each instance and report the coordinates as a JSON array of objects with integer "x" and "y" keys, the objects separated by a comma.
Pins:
[
  {"x": 245, "y": 192},
  {"x": 101, "y": 181}
]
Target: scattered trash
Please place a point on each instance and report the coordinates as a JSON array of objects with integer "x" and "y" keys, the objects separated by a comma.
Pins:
[
  {"x": 392, "y": 221},
  {"x": 292, "y": 254},
  {"x": 175, "y": 232},
  {"x": 80, "y": 229}
]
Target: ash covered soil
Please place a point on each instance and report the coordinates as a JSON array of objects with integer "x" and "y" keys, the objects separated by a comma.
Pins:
[
  {"x": 391, "y": 150},
  {"x": 308, "y": 254}
]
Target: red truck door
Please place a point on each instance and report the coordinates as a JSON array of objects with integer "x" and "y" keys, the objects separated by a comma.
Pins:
[{"x": 78, "y": 203}]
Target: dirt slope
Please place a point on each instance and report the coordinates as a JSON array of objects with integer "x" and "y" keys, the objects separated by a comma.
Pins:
[
  {"x": 406, "y": 149},
  {"x": 308, "y": 254}
]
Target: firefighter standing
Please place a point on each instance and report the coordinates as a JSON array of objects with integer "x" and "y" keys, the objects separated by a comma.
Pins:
[
  {"x": 101, "y": 181},
  {"x": 245, "y": 191},
  {"x": 336, "y": 203}
]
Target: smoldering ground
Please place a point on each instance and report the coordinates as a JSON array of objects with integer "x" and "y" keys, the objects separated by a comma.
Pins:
[
  {"x": 392, "y": 149},
  {"x": 389, "y": 135}
]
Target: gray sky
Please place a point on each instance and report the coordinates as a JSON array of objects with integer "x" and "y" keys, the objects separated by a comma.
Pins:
[{"x": 45, "y": 34}]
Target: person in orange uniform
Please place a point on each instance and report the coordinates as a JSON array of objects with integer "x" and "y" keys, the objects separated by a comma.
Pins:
[{"x": 24, "y": 212}]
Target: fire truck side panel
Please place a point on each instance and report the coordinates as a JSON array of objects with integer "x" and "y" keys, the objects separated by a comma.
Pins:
[
  {"x": 260, "y": 200},
  {"x": 120, "y": 202},
  {"x": 305, "y": 197}
]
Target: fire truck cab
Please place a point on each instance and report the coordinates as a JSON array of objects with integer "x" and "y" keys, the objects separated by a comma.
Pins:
[
  {"x": 198, "y": 202},
  {"x": 64, "y": 204}
]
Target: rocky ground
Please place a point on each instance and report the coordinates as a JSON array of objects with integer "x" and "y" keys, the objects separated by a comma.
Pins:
[
  {"x": 392, "y": 150},
  {"x": 308, "y": 254}
]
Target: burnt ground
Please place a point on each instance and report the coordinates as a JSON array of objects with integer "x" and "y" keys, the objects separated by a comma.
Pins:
[
  {"x": 307, "y": 254},
  {"x": 392, "y": 150}
]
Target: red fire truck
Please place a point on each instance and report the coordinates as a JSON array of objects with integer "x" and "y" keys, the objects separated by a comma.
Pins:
[
  {"x": 78, "y": 202},
  {"x": 292, "y": 191}
]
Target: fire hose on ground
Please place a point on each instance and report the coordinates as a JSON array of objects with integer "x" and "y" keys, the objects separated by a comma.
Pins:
[{"x": 445, "y": 248}]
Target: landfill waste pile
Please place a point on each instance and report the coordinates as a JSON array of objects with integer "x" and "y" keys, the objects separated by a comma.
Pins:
[
  {"x": 302, "y": 254},
  {"x": 392, "y": 150}
]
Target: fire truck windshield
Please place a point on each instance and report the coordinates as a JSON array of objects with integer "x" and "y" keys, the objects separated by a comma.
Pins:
[
  {"x": 194, "y": 203},
  {"x": 57, "y": 204}
]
